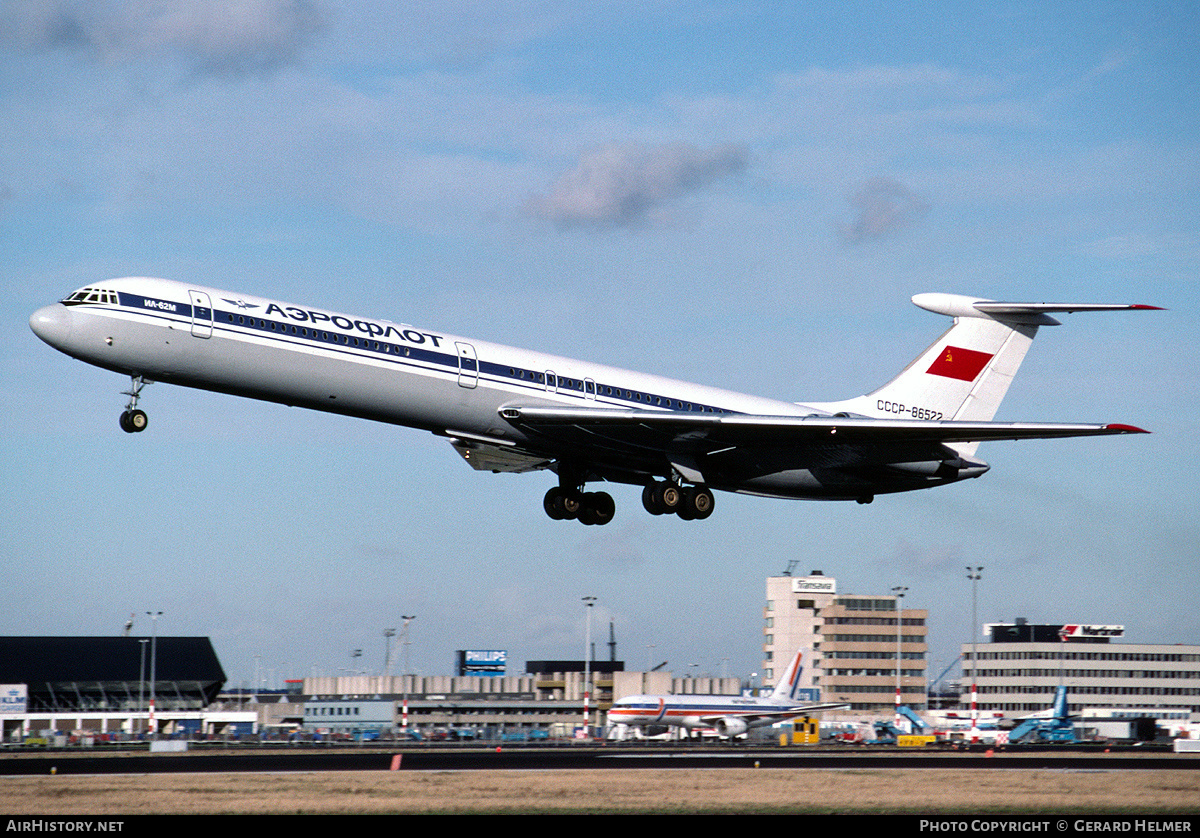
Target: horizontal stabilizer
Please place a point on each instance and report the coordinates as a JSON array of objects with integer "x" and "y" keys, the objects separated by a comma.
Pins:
[
  {"x": 1062, "y": 308},
  {"x": 957, "y": 305}
]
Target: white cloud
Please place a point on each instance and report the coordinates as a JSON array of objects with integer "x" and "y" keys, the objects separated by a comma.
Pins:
[
  {"x": 1127, "y": 246},
  {"x": 218, "y": 36},
  {"x": 884, "y": 206},
  {"x": 618, "y": 185}
]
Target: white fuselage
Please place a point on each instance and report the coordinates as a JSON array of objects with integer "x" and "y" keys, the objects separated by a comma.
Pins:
[
  {"x": 375, "y": 369},
  {"x": 347, "y": 364},
  {"x": 509, "y": 409},
  {"x": 699, "y": 711}
]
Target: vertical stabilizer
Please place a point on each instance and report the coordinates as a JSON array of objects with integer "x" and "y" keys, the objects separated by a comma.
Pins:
[
  {"x": 785, "y": 689},
  {"x": 1061, "y": 711},
  {"x": 966, "y": 372}
]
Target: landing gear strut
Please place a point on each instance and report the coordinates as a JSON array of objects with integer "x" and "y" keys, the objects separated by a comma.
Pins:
[{"x": 134, "y": 421}]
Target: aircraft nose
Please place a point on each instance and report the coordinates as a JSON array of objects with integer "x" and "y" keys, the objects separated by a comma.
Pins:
[{"x": 52, "y": 324}]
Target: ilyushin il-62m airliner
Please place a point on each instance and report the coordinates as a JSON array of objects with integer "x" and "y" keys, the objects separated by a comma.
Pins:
[{"x": 513, "y": 410}]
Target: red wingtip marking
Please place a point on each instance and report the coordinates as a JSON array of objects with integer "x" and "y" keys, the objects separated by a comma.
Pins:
[
  {"x": 1147, "y": 308},
  {"x": 1126, "y": 429}
]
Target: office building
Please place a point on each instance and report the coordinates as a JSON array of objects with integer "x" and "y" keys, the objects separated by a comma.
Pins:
[
  {"x": 1022, "y": 664},
  {"x": 849, "y": 641}
]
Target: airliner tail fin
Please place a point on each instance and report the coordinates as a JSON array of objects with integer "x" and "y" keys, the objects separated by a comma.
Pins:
[
  {"x": 966, "y": 372},
  {"x": 789, "y": 682}
]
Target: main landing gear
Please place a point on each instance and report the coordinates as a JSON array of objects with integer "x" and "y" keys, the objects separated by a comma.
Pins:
[
  {"x": 591, "y": 508},
  {"x": 691, "y": 503},
  {"x": 134, "y": 421}
]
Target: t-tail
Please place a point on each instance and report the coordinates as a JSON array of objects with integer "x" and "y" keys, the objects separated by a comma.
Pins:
[
  {"x": 789, "y": 684},
  {"x": 964, "y": 374}
]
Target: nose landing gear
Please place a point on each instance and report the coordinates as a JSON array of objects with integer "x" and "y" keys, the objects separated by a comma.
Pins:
[{"x": 134, "y": 421}]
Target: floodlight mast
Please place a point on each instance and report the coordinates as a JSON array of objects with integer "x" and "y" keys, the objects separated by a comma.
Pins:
[
  {"x": 899, "y": 591},
  {"x": 388, "y": 634},
  {"x": 404, "y": 680},
  {"x": 974, "y": 574},
  {"x": 588, "y": 601},
  {"x": 153, "y": 615}
]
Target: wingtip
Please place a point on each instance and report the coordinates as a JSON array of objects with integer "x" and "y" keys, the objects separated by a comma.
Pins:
[
  {"x": 1125, "y": 429},
  {"x": 1147, "y": 308}
]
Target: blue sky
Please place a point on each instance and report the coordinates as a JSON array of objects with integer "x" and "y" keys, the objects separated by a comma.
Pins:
[{"x": 739, "y": 194}]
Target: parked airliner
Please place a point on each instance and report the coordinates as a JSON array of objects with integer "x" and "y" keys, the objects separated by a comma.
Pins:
[
  {"x": 514, "y": 410},
  {"x": 728, "y": 715}
]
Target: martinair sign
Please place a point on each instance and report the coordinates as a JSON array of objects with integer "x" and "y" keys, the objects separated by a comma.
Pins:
[{"x": 1093, "y": 631}]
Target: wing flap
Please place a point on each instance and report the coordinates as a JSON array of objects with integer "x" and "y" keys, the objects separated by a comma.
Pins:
[{"x": 496, "y": 458}]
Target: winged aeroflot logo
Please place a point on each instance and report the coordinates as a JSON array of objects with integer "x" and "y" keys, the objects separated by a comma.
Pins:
[
  {"x": 959, "y": 363},
  {"x": 240, "y": 303}
]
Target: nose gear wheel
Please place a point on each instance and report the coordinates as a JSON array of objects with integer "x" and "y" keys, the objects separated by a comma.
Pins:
[{"x": 134, "y": 421}]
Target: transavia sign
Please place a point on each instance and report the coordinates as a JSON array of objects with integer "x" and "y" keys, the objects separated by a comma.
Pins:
[{"x": 814, "y": 585}]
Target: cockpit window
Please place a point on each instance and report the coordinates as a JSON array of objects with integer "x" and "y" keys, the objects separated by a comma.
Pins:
[{"x": 92, "y": 295}]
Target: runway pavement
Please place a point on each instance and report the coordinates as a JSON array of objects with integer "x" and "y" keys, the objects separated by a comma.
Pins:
[{"x": 569, "y": 757}]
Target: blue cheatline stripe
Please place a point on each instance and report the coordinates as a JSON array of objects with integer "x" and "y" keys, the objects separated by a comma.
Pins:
[{"x": 400, "y": 353}]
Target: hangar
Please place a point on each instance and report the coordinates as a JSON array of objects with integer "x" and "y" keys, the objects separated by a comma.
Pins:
[{"x": 106, "y": 678}]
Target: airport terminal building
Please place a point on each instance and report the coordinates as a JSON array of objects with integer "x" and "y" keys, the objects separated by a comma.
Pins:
[
  {"x": 549, "y": 700},
  {"x": 100, "y": 687},
  {"x": 1020, "y": 666},
  {"x": 93, "y": 689},
  {"x": 110, "y": 686}
]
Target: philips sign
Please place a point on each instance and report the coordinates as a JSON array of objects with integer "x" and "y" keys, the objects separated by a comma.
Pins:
[{"x": 484, "y": 661}]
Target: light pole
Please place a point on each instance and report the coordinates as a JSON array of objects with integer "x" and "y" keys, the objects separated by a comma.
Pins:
[
  {"x": 142, "y": 679},
  {"x": 588, "y": 601},
  {"x": 388, "y": 634},
  {"x": 153, "y": 615},
  {"x": 1063, "y": 634},
  {"x": 974, "y": 574},
  {"x": 404, "y": 641},
  {"x": 899, "y": 591}
]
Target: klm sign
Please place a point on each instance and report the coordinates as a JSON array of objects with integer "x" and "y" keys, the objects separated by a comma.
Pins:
[{"x": 13, "y": 698}]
